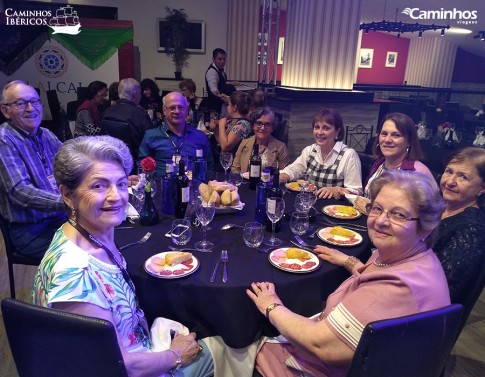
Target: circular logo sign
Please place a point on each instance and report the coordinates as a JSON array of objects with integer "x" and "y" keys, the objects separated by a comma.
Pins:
[{"x": 51, "y": 61}]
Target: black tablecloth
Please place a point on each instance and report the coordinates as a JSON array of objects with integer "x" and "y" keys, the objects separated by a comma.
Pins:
[{"x": 225, "y": 309}]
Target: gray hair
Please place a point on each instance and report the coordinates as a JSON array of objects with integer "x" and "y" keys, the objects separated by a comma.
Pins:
[
  {"x": 127, "y": 87},
  {"x": 7, "y": 87},
  {"x": 164, "y": 99},
  {"x": 422, "y": 191},
  {"x": 262, "y": 111},
  {"x": 76, "y": 156}
]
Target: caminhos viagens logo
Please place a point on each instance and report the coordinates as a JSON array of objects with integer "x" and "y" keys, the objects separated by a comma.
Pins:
[{"x": 463, "y": 17}]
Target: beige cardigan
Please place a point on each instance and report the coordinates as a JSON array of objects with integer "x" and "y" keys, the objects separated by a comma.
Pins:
[{"x": 276, "y": 151}]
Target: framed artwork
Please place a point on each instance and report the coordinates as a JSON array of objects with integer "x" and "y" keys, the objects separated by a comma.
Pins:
[
  {"x": 366, "y": 57},
  {"x": 281, "y": 49},
  {"x": 195, "y": 36},
  {"x": 391, "y": 59}
]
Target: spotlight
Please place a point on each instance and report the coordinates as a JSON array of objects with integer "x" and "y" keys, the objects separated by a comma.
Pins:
[
  {"x": 367, "y": 31},
  {"x": 442, "y": 32},
  {"x": 420, "y": 34}
]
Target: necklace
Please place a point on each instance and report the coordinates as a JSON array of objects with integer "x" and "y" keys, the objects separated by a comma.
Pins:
[{"x": 375, "y": 263}]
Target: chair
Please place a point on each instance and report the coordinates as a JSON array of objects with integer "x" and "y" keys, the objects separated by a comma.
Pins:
[
  {"x": 416, "y": 345},
  {"x": 366, "y": 161},
  {"x": 13, "y": 256},
  {"x": 54, "y": 343},
  {"x": 358, "y": 136}
]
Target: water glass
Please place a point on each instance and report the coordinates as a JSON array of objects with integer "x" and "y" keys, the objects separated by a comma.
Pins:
[
  {"x": 304, "y": 201},
  {"x": 181, "y": 232},
  {"x": 299, "y": 223},
  {"x": 235, "y": 179},
  {"x": 225, "y": 158},
  {"x": 275, "y": 209},
  {"x": 205, "y": 213},
  {"x": 253, "y": 234}
]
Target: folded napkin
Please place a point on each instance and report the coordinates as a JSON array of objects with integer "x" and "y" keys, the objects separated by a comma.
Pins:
[
  {"x": 131, "y": 212},
  {"x": 160, "y": 333}
]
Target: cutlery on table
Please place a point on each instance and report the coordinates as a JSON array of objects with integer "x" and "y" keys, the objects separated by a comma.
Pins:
[
  {"x": 312, "y": 232},
  {"x": 224, "y": 260},
  {"x": 123, "y": 227},
  {"x": 303, "y": 243},
  {"x": 264, "y": 249},
  {"x": 173, "y": 248},
  {"x": 302, "y": 247},
  {"x": 356, "y": 227},
  {"x": 231, "y": 226},
  {"x": 213, "y": 277},
  {"x": 142, "y": 240}
]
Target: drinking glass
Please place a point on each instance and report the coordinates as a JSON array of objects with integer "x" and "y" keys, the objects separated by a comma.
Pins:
[
  {"x": 225, "y": 159},
  {"x": 275, "y": 209},
  {"x": 304, "y": 181},
  {"x": 299, "y": 223},
  {"x": 235, "y": 179},
  {"x": 304, "y": 201},
  {"x": 205, "y": 213},
  {"x": 181, "y": 232},
  {"x": 253, "y": 234}
]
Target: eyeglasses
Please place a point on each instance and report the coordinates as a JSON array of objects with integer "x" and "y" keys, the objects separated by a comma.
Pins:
[
  {"x": 21, "y": 104},
  {"x": 259, "y": 124},
  {"x": 393, "y": 215},
  {"x": 175, "y": 108}
]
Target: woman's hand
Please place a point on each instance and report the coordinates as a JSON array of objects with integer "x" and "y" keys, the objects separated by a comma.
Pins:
[
  {"x": 360, "y": 204},
  {"x": 186, "y": 346},
  {"x": 331, "y": 255},
  {"x": 331, "y": 192},
  {"x": 133, "y": 180},
  {"x": 263, "y": 295}
]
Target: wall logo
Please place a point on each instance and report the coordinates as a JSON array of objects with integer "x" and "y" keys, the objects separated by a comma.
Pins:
[
  {"x": 51, "y": 61},
  {"x": 463, "y": 17},
  {"x": 65, "y": 21}
]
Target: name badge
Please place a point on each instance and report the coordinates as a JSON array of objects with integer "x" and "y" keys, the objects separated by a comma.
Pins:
[{"x": 176, "y": 158}]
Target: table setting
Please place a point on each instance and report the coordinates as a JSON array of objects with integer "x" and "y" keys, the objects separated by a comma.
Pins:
[{"x": 209, "y": 286}]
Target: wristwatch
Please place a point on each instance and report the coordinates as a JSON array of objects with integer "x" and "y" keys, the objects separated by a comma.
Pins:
[{"x": 271, "y": 307}]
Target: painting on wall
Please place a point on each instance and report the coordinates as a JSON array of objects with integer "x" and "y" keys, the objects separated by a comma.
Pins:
[
  {"x": 366, "y": 57},
  {"x": 391, "y": 59}
]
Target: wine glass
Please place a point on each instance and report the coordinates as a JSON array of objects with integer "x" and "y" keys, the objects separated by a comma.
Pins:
[
  {"x": 303, "y": 181},
  {"x": 304, "y": 201},
  {"x": 275, "y": 209},
  {"x": 181, "y": 232},
  {"x": 205, "y": 213},
  {"x": 226, "y": 161},
  {"x": 299, "y": 223}
]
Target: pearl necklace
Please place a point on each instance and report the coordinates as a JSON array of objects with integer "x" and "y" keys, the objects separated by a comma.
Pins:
[{"x": 375, "y": 263}]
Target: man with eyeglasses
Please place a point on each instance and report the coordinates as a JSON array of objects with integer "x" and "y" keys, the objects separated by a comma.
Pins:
[
  {"x": 29, "y": 199},
  {"x": 174, "y": 138}
]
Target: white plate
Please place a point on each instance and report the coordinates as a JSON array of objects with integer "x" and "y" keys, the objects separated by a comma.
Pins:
[
  {"x": 230, "y": 209},
  {"x": 324, "y": 235},
  {"x": 351, "y": 198},
  {"x": 172, "y": 271},
  {"x": 294, "y": 186},
  {"x": 330, "y": 211},
  {"x": 285, "y": 264}
]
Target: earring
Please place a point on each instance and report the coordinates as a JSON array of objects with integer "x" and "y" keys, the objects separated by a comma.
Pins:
[
  {"x": 407, "y": 150},
  {"x": 73, "y": 213},
  {"x": 377, "y": 145}
]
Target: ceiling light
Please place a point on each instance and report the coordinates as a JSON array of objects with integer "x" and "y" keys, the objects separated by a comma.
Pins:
[{"x": 401, "y": 27}]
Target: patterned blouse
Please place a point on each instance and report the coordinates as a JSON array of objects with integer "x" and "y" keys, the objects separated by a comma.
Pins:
[{"x": 69, "y": 274}]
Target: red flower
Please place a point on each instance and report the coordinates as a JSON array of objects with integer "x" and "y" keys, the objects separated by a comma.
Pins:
[{"x": 148, "y": 164}]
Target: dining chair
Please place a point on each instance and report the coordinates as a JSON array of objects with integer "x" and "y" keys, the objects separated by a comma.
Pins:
[
  {"x": 13, "y": 256},
  {"x": 120, "y": 130},
  {"x": 357, "y": 137},
  {"x": 416, "y": 345},
  {"x": 47, "y": 342}
]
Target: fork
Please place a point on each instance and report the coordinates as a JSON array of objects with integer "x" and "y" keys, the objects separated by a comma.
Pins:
[
  {"x": 224, "y": 260},
  {"x": 347, "y": 225},
  {"x": 303, "y": 243},
  {"x": 142, "y": 240}
]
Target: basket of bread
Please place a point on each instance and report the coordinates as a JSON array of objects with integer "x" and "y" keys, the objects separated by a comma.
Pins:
[{"x": 223, "y": 194}]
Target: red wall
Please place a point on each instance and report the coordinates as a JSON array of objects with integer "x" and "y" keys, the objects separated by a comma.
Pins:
[
  {"x": 379, "y": 73},
  {"x": 468, "y": 67}
]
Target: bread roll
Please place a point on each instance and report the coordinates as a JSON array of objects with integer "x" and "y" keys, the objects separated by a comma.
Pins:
[
  {"x": 205, "y": 192},
  {"x": 234, "y": 198},
  {"x": 220, "y": 187},
  {"x": 215, "y": 198},
  {"x": 177, "y": 257}
]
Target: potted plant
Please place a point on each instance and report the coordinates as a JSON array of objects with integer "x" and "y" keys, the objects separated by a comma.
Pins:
[{"x": 174, "y": 32}]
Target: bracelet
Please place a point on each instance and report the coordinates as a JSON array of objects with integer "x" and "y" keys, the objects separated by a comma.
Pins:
[
  {"x": 271, "y": 307},
  {"x": 350, "y": 263},
  {"x": 178, "y": 359}
]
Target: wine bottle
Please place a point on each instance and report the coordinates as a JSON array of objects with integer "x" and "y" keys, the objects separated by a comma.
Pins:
[
  {"x": 182, "y": 193},
  {"x": 262, "y": 189},
  {"x": 254, "y": 168},
  {"x": 169, "y": 189},
  {"x": 276, "y": 192},
  {"x": 199, "y": 172}
]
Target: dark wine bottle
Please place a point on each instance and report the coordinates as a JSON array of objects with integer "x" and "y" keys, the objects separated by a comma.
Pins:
[
  {"x": 183, "y": 192},
  {"x": 254, "y": 168},
  {"x": 275, "y": 191},
  {"x": 262, "y": 189},
  {"x": 169, "y": 189}
]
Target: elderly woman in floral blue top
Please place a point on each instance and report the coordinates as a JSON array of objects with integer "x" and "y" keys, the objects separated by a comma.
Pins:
[{"x": 83, "y": 271}]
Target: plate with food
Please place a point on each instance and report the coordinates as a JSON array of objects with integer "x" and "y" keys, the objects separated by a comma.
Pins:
[
  {"x": 171, "y": 265},
  {"x": 293, "y": 259},
  {"x": 296, "y": 186},
  {"x": 336, "y": 235},
  {"x": 341, "y": 212}
]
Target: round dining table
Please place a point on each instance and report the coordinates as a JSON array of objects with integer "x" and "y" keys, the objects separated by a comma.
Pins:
[{"x": 224, "y": 309}]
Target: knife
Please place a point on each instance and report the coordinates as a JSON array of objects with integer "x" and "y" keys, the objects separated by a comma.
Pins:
[
  {"x": 213, "y": 277},
  {"x": 301, "y": 247}
]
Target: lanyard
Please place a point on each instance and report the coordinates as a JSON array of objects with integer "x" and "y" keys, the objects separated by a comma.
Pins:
[
  {"x": 177, "y": 147},
  {"x": 39, "y": 149},
  {"x": 91, "y": 238}
]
